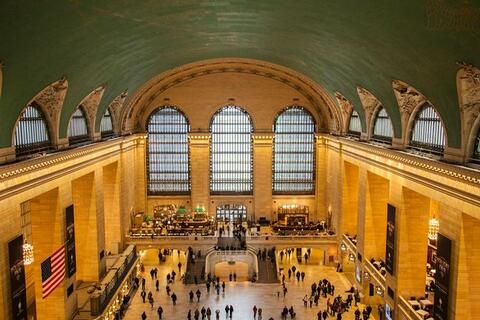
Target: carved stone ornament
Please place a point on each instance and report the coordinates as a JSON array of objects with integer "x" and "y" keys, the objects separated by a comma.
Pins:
[
  {"x": 369, "y": 101},
  {"x": 115, "y": 106},
  {"x": 469, "y": 91},
  {"x": 91, "y": 102},
  {"x": 408, "y": 98},
  {"x": 345, "y": 105},
  {"x": 52, "y": 97}
]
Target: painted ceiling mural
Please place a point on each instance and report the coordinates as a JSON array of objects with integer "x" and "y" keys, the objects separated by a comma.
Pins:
[{"x": 342, "y": 45}]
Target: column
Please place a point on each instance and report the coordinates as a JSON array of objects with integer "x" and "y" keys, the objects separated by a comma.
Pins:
[
  {"x": 111, "y": 197},
  {"x": 87, "y": 193},
  {"x": 48, "y": 235},
  {"x": 200, "y": 168},
  {"x": 349, "y": 199},
  {"x": 262, "y": 175},
  {"x": 411, "y": 243},
  {"x": 321, "y": 208}
]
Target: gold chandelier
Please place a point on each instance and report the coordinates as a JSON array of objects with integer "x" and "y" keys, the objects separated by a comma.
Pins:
[{"x": 433, "y": 227}]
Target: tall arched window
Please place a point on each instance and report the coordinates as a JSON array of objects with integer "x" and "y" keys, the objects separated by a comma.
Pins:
[
  {"x": 78, "y": 128},
  {"x": 294, "y": 152},
  {"x": 231, "y": 151},
  {"x": 106, "y": 125},
  {"x": 428, "y": 133},
  {"x": 382, "y": 129},
  {"x": 31, "y": 132},
  {"x": 168, "y": 167},
  {"x": 355, "y": 125}
]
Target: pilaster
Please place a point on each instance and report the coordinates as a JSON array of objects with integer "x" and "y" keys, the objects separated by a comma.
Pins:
[
  {"x": 262, "y": 175},
  {"x": 200, "y": 168}
]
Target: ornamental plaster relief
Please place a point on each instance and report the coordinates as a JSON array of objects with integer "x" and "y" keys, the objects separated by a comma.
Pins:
[
  {"x": 115, "y": 109},
  {"x": 51, "y": 100},
  {"x": 346, "y": 108},
  {"x": 468, "y": 86},
  {"x": 408, "y": 99},
  {"x": 90, "y": 104},
  {"x": 370, "y": 103}
]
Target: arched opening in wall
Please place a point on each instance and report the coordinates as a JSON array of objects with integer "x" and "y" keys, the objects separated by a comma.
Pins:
[
  {"x": 294, "y": 152},
  {"x": 428, "y": 133},
  {"x": 225, "y": 270},
  {"x": 31, "y": 133},
  {"x": 78, "y": 128},
  {"x": 235, "y": 213},
  {"x": 106, "y": 126},
  {"x": 382, "y": 128},
  {"x": 231, "y": 148},
  {"x": 354, "y": 125},
  {"x": 168, "y": 160}
]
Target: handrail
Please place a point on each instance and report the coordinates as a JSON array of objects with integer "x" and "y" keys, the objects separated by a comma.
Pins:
[
  {"x": 350, "y": 245},
  {"x": 375, "y": 273},
  {"x": 408, "y": 309}
]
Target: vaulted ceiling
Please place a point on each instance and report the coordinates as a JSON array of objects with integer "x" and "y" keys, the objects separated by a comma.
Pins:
[{"x": 340, "y": 44}]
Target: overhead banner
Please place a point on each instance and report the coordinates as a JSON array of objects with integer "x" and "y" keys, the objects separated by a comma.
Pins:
[
  {"x": 390, "y": 250},
  {"x": 442, "y": 278},
  {"x": 17, "y": 279},
  {"x": 70, "y": 242}
]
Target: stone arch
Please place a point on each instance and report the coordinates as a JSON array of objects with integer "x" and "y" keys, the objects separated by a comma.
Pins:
[
  {"x": 370, "y": 105},
  {"x": 472, "y": 138},
  {"x": 326, "y": 112},
  {"x": 50, "y": 101},
  {"x": 90, "y": 104},
  {"x": 346, "y": 109},
  {"x": 115, "y": 108},
  {"x": 408, "y": 99},
  {"x": 468, "y": 90}
]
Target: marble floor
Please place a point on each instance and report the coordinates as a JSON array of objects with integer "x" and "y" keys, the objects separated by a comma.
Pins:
[{"x": 241, "y": 295}]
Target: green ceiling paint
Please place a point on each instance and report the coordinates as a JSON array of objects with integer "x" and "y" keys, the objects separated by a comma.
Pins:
[{"x": 340, "y": 44}]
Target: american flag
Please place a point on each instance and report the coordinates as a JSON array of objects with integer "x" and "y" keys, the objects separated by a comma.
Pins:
[{"x": 53, "y": 271}]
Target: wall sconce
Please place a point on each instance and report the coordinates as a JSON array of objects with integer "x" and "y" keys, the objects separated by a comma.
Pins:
[
  {"x": 379, "y": 291},
  {"x": 351, "y": 257},
  {"x": 366, "y": 275},
  {"x": 343, "y": 247},
  {"x": 433, "y": 227},
  {"x": 27, "y": 254}
]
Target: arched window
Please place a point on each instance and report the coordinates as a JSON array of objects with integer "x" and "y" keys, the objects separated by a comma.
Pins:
[
  {"x": 355, "y": 125},
  {"x": 231, "y": 151},
  {"x": 382, "y": 129},
  {"x": 294, "y": 152},
  {"x": 78, "y": 128},
  {"x": 106, "y": 125},
  {"x": 31, "y": 132},
  {"x": 168, "y": 167},
  {"x": 428, "y": 133}
]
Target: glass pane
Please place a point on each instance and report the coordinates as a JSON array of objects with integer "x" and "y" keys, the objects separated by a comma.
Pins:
[
  {"x": 294, "y": 152},
  {"x": 31, "y": 132},
  {"x": 428, "y": 132},
  {"x": 383, "y": 130}
]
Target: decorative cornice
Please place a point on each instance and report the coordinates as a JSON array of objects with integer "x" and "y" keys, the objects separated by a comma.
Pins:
[
  {"x": 461, "y": 174},
  {"x": 17, "y": 169}
]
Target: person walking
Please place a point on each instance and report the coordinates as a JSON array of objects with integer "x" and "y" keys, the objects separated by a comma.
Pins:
[
  {"x": 144, "y": 316},
  {"x": 143, "y": 294},
  {"x": 260, "y": 313},
  {"x": 231, "y": 311},
  {"x": 150, "y": 300},
  {"x": 198, "y": 293},
  {"x": 217, "y": 314},
  {"x": 160, "y": 312},
  {"x": 254, "y": 311},
  {"x": 157, "y": 284},
  {"x": 174, "y": 298}
]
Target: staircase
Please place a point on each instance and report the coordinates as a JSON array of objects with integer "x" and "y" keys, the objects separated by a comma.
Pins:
[
  {"x": 267, "y": 271},
  {"x": 197, "y": 268}
]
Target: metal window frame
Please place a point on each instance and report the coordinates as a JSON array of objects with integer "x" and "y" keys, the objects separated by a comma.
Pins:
[
  {"x": 82, "y": 138},
  {"x": 380, "y": 137},
  {"x": 33, "y": 131},
  {"x": 350, "y": 132},
  {"x": 108, "y": 134},
  {"x": 427, "y": 147},
  {"x": 312, "y": 182},
  {"x": 148, "y": 152},
  {"x": 213, "y": 157}
]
